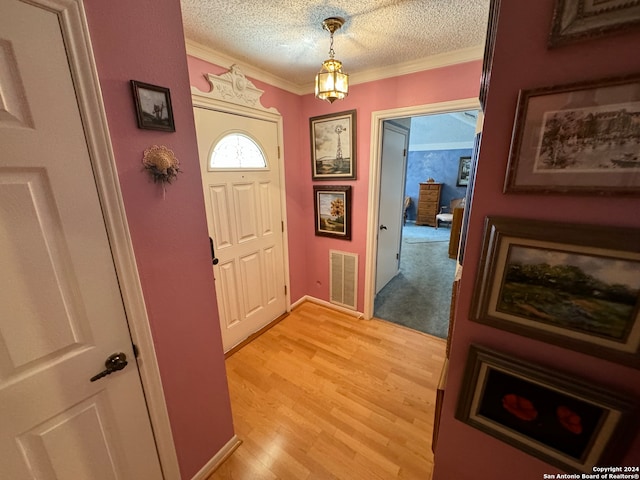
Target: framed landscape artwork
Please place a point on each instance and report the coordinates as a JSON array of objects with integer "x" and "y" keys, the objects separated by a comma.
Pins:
[
  {"x": 585, "y": 19},
  {"x": 577, "y": 286},
  {"x": 562, "y": 420},
  {"x": 333, "y": 146},
  {"x": 153, "y": 107},
  {"x": 578, "y": 138},
  {"x": 332, "y": 209}
]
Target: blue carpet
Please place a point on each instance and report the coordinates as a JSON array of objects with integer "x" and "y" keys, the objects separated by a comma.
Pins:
[{"x": 419, "y": 297}]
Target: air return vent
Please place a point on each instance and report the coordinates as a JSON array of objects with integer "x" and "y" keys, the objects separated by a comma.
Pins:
[{"x": 343, "y": 268}]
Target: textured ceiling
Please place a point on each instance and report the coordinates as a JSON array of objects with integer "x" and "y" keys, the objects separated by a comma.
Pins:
[{"x": 285, "y": 37}]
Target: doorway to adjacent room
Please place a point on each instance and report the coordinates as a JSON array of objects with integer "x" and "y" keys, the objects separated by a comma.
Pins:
[{"x": 419, "y": 294}]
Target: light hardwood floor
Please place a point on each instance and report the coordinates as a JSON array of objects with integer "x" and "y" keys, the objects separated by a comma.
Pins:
[{"x": 323, "y": 395}]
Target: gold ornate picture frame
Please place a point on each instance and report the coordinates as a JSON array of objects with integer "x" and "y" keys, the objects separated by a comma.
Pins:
[{"x": 575, "y": 20}]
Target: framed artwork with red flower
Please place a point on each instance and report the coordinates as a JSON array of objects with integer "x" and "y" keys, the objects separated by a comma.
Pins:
[{"x": 562, "y": 420}]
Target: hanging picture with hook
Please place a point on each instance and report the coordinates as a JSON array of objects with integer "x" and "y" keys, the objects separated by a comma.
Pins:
[{"x": 333, "y": 146}]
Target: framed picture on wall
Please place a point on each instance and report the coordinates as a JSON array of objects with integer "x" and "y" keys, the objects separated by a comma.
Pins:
[
  {"x": 577, "y": 138},
  {"x": 562, "y": 420},
  {"x": 464, "y": 169},
  {"x": 575, "y": 20},
  {"x": 332, "y": 209},
  {"x": 333, "y": 146},
  {"x": 576, "y": 286},
  {"x": 153, "y": 107}
]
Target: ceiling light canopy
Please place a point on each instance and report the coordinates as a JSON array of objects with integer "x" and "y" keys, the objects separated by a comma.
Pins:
[{"x": 331, "y": 82}]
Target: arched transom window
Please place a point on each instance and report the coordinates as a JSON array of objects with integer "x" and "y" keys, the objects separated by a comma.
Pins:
[{"x": 237, "y": 151}]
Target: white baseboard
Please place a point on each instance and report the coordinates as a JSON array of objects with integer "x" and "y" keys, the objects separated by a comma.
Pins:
[
  {"x": 324, "y": 303},
  {"x": 218, "y": 458}
]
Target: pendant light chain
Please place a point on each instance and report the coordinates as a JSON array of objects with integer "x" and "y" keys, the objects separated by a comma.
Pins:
[{"x": 331, "y": 51}]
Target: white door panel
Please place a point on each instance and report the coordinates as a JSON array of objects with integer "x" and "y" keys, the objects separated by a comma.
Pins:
[
  {"x": 392, "y": 177},
  {"x": 61, "y": 311},
  {"x": 244, "y": 214}
]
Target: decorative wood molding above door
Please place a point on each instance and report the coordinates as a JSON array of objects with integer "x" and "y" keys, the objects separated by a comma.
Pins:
[{"x": 234, "y": 87}]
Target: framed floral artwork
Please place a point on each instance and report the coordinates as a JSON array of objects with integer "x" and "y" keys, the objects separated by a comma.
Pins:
[
  {"x": 563, "y": 420},
  {"x": 332, "y": 208}
]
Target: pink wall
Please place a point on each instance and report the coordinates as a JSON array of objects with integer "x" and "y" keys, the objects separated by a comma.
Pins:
[
  {"x": 308, "y": 254},
  {"x": 143, "y": 40},
  {"x": 522, "y": 60},
  {"x": 431, "y": 86},
  {"x": 169, "y": 235}
]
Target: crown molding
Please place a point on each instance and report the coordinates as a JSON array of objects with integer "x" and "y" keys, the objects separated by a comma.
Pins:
[
  {"x": 429, "y": 63},
  {"x": 207, "y": 54},
  {"x": 435, "y": 61}
]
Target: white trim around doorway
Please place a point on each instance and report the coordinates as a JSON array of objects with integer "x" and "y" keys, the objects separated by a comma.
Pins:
[
  {"x": 74, "y": 24},
  {"x": 377, "y": 118}
]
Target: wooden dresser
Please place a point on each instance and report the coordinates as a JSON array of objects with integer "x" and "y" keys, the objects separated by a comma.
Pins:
[{"x": 428, "y": 203}]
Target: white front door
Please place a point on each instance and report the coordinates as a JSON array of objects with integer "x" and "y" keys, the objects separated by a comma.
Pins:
[
  {"x": 61, "y": 312},
  {"x": 244, "y": 215},
  {"x": 395, "y": 140}
]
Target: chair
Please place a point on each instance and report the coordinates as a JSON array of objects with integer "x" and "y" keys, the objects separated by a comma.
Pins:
[
  {"x": 405, "y": 213},
  {"x": 446, "y": 213}
]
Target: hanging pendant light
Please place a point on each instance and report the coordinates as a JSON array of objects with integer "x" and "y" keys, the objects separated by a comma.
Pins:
[{"x": 331, "y": 82}]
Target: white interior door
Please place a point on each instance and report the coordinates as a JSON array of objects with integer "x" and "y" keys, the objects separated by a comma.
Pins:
[
  {"x": 61, "y": 312},
  {"x": 395, "y": 141},
  {"x": 244, "y": 215}
]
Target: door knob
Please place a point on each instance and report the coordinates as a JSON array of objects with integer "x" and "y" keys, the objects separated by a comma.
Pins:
[
  {"x": 214, "y": 260},
  {"x": 115, "y": 362},
  {"x": 383, "y": 227}
]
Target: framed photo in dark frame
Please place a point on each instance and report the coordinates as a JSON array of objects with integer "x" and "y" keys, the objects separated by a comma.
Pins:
[
  {"x": 332, "y": 210},
  {"x": 562, "y": 420},
  {"x": 464, "y": 169},
  {"x": 333, "y": 146},
  {"x": 153, "y": 107}
]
